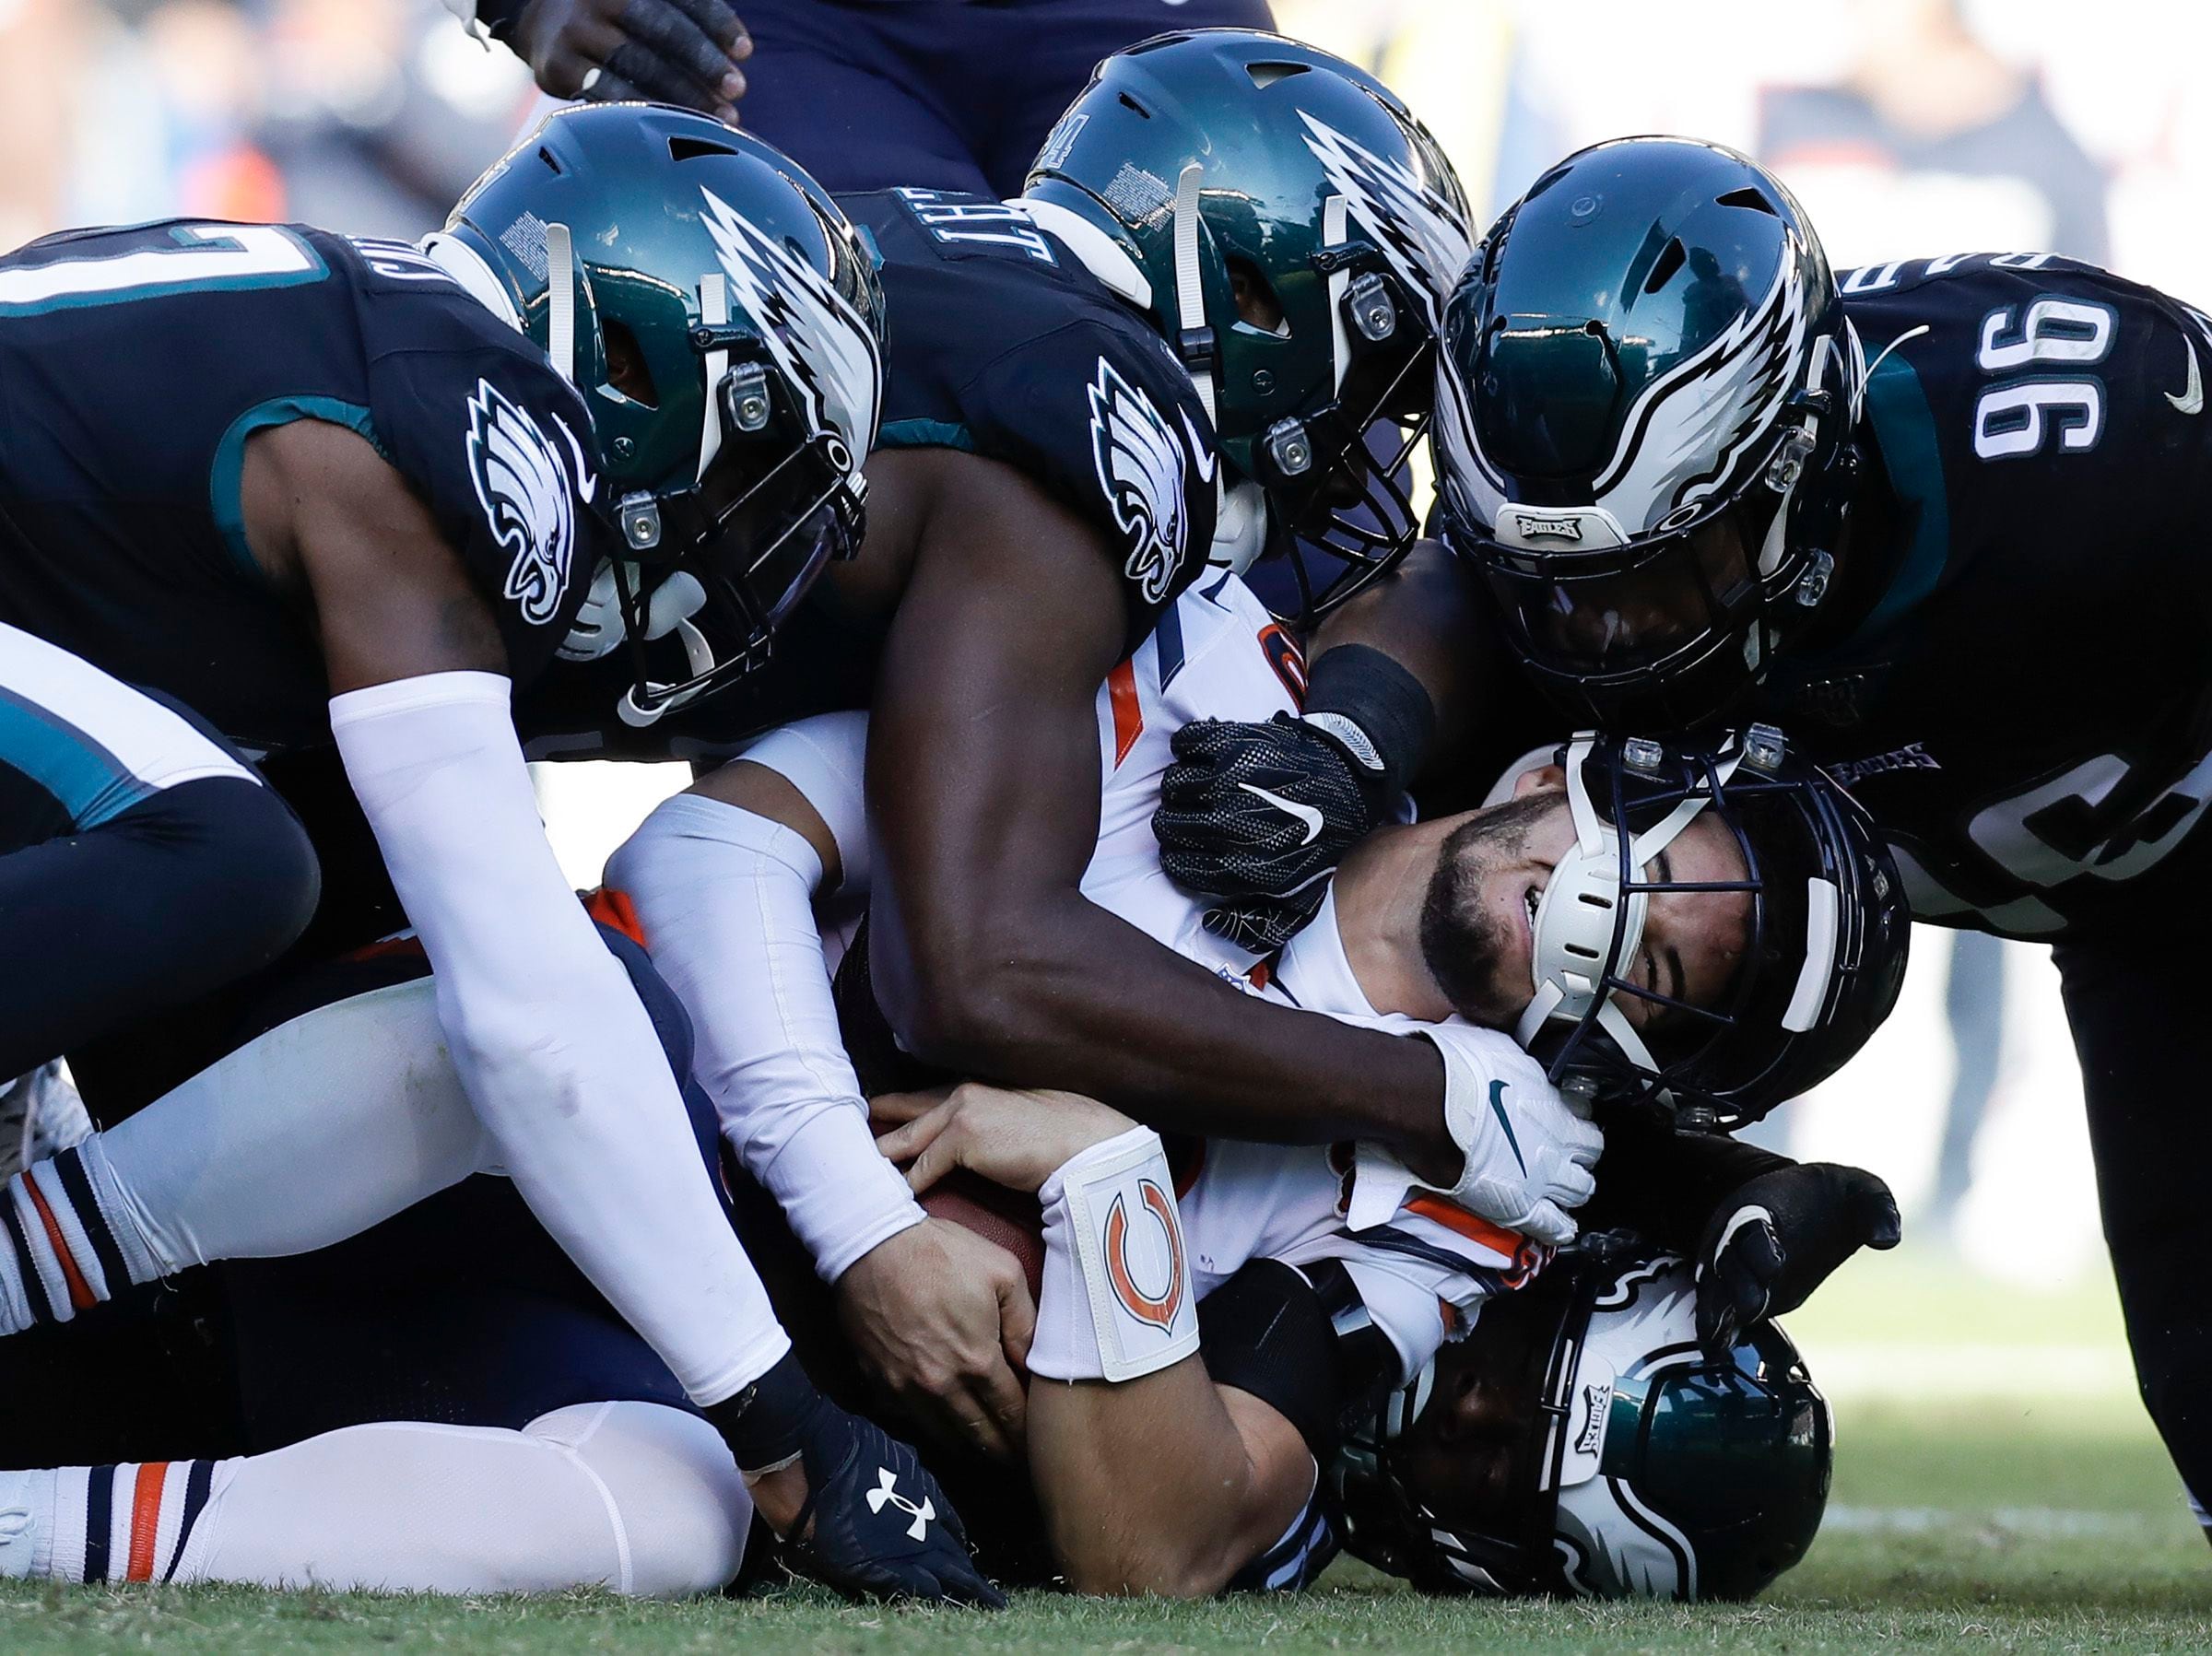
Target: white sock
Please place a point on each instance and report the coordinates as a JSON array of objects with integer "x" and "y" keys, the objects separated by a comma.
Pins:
[
  {"x": 126, "y": 1522},
  {"x": 634, "y": 1497},
  {"x": 312, "y": 1134}
]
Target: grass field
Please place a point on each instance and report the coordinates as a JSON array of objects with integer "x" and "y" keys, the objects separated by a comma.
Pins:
[{"x": 1998, "y": 1490}]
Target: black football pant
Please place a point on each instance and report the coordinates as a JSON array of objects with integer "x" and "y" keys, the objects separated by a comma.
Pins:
[
  {"x": 2136, "y": 1022},
  {"x": 143, "y": 863}
]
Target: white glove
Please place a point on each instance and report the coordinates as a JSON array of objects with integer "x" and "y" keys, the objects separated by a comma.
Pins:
[
  {"x": 1529, "y": 1151},
  {"x": 599, "y": 626}
]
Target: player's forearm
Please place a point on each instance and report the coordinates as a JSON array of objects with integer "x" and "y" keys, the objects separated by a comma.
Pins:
[
  {"x": 1060, "y": 993},
  {"x": 723, "y": 896},
  {"x": 1148, "y": 1478},
  {"x": 1148, "y": 1487}
]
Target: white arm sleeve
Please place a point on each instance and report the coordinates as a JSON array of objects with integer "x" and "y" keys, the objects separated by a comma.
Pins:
[
  {"x": 557, "y": 1054},
  {"x": 726, "y": 898}
]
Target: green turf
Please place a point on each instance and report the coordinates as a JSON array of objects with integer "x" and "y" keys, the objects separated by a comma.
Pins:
[{"x": 1983, "y": 1524}]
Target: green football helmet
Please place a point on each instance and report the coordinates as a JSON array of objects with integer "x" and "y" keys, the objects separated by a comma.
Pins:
[
  {"x": 1646, "y": 426},
  {"x": 1229, "y": 164},
  {"x": 1577, "y": 1441},
  {"x": 724, "y": 322}
]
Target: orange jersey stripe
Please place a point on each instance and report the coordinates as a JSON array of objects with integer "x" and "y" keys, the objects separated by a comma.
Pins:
[
  {"x": 1128, "y": 715},
  {"x": 384, "y": 947},
  {"x": 612, "y": 908},
  {"x": 80, "y": 1291},
  {"x": 145, "y": 1519},
  {"x": 1474, "y": 1227}
]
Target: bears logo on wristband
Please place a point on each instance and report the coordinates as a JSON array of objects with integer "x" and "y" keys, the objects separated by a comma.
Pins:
[{"x": 1159, "y": 1309}]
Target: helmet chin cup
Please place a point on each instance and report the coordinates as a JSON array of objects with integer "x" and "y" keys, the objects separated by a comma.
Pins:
[{"x": 1589, "y": 920}]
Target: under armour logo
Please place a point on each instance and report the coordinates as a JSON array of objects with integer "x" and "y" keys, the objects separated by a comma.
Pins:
[{"x": 886, "y": 1494}]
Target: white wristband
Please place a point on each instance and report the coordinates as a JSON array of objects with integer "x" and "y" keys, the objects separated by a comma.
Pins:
[{"x": 1116, "y": 1300}]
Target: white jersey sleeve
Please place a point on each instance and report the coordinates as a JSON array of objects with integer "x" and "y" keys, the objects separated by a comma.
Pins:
[{"x": 1216, "y": 653}]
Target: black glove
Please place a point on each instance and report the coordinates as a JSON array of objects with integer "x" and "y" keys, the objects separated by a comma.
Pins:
[
  {"x": 1257, "y": 813},
  {"x": 682, "y": 52},
  {"x": 874, "y": 1525},
  {"x": 882, "y": 1529},
  {"x": 1777, "y": 1238}
]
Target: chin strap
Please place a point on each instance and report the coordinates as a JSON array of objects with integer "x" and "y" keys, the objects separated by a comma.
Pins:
[
  {"x": 1198, "y": 339},
  {"x": 560, "y": 292},
  {"x": 699, "y": 652}
]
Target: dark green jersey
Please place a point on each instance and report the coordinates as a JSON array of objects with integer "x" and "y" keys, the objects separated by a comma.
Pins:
[
  {"x": 2024, "y": 701},
  {"x": 136, "y": 363}
]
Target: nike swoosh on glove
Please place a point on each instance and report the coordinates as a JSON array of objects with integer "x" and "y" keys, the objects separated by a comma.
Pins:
[
  {"x": 1529, "y": 1153},
  {"x": 881, "y": 1527},
  {"x": 1779, "y": 1236},
  {"x": 1256, "y": 813}
]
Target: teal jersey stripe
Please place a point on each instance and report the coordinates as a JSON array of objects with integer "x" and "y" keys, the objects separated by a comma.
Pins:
[
  {"x": 924, "y": 434},
  {"x": 227, "y": 474},
  {"x": 92, "y": 785},
  {"x": 1897, "y": 409}
]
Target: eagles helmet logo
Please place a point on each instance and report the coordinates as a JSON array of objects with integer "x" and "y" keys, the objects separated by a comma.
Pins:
[
  {"x": 1425, "y": 237},
  {"x": 1686, "y": 434},
  {"x": 825, "y": 349},
  {"x": 1422, "y": 234},
  {"x": 529, "y": 502},
  {"x": 1140, "y": 465}
]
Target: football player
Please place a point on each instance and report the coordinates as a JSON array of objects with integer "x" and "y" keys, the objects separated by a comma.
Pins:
[
  {"x": 1505, "y": 917},
  {"x": 1544, "y": 1451},
  {"x": 1704, "y": 958},
  {"x": 1226, "y": 271},
  {"x": 1939, "y": 514},
  {"x": 270, "y": 488},
  {"x": 570, "y": 1457}
]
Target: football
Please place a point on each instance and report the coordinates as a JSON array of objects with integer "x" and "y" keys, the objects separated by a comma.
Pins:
[{"x": 1008, "y": 1217}]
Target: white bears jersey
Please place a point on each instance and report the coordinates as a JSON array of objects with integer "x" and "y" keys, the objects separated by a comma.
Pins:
[{"x": 1216, "y": 653}]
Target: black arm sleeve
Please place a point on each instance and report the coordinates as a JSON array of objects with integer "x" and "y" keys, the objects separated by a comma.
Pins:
[{"x": 1359, "y": 683}]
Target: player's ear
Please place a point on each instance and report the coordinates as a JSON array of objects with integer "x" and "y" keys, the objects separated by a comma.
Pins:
[{"x": 1544, "y": 778}]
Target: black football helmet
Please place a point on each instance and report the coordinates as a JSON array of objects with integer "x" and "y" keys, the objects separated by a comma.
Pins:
[
  {"x": 1645, "y": 430},
  {"x": 1827, "y": 930},
  {"x": 1579, "y": 1442}
]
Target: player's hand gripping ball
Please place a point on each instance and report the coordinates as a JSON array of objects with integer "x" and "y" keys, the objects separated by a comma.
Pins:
[{"x": 1256, "y": 814}]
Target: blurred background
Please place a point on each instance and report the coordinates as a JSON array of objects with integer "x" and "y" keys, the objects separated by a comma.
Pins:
[{"x": 1907, "y": 127}]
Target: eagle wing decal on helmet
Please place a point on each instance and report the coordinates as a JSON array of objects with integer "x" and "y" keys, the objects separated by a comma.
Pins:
[
  {"x": 1689, "y": 428},
  {"x": 1473, "y": 494},
  {"x": 821, "y": 344},
  {"x": 1423, "y": 234},
  {"x": 1140, "y": 467},
  {"x": 528, "y": 500}
]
